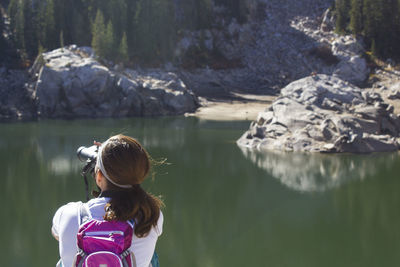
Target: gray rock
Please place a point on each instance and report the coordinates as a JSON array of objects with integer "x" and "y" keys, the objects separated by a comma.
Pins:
[
  {"x": 17, "y": 99},
  {"x": 346, "y": 46},
  {"x": 325, "y": 114},
  {"x": 354, "y": 70},
  {"x": 395, "y": 91},
  {"x": 71, "y": 83},
  {"x": 347, "y": 50},
  {"x": 395, "y": 86},
  {"x": 278, "y": 47}
]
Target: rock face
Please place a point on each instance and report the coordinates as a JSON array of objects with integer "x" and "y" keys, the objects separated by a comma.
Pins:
[
  {"x": 71, "y": 83},
  {"x": 325, "y": 114},
  {"x": 17, "y": 99},
  {"x": 352, "y": 66},
  {"x": 281, "y": 42},
  {"x": 342, "y": 55}
]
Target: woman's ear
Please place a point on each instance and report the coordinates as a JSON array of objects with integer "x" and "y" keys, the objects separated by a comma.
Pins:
[{"x": 99, "y": 179}]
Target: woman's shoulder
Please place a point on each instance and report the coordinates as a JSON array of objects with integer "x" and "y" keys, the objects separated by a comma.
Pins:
[
  {"x": 71, "y": 209},
  {"x": 65, "y": 215},
  {"x": 68, "y": 209}
]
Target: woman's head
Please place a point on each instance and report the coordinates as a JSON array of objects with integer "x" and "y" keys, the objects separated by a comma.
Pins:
[
  {"x": 124, "y": 164},
  {"x": 123, "y": 161}
]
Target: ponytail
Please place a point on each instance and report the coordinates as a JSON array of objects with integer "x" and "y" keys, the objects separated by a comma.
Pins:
[
  {"x": 135, "y": 204},
  {"x": 127, "y": 164}
]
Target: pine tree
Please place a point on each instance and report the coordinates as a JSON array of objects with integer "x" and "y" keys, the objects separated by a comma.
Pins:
[
  {"x": 62, "y": 39},
  {"x": 380, "y": 28},
  {"x": 390, "y": 19},
  {"x": 117, "y": 10},
  {"x": 164, "y": 30},
  {"x": 98, "y": 34},
  {"x": 80, "y": 30},
  {"x": 30, "y": 31},
  {"x": 342, "y": 14},
  {"x": 13, "y": 8},
  {"x": 80, "y": 26},
  {"x": 49, "y": 26},
  {"x": 123, "y": 49},
  {"x": 356, "y": 16},
  {"x": 370, "y": 22},
  {"x": 373, "y": 47},
  {"x": 19, "y": 30},
  {"x": 131, "y": 10},
  {"x": 144, "y": 25},
  {"x": 109, "y": 42}
]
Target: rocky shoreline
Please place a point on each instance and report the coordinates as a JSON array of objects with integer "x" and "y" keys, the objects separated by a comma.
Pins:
[
  {"x": 277, "y": 45},
  {"x": 325, "y": 114}
]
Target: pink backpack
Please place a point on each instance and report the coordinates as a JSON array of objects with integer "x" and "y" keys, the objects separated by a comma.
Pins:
[{"x": 103, "y": 243}]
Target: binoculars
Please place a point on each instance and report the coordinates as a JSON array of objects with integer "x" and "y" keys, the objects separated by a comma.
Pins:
[
  {"x": 89, "y": 156},
  {"x": 87, "y": 153}
]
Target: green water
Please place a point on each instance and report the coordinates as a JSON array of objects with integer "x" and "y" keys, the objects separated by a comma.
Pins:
[{"x": 224, "y": 206}]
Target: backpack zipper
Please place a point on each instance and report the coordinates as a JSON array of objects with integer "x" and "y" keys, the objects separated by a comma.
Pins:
[{"x": 104, "y": 233}]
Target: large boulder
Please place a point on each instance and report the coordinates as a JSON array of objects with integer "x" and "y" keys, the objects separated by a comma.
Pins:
[
  {"x": 352, "y": 66},
  {"x": 354, "y": 70},
  {"x": 325, "y": 114},
  {"x": 72, "y": 83}
]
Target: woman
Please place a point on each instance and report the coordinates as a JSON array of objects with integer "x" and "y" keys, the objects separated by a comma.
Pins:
[{"x": 122, "y": 165}]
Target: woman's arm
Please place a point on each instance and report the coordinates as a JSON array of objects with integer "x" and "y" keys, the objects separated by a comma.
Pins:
[{"x": 64, "y": 229}]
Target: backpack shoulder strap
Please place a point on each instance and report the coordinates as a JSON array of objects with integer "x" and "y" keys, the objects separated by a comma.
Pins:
[
  {"x": 131, "y": 222},
  {"x": 154, "y": 260},
  {"x": 83, "y": 214}
]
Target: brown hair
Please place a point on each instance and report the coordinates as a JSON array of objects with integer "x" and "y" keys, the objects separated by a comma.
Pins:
[{"x": 128, "y": 163}]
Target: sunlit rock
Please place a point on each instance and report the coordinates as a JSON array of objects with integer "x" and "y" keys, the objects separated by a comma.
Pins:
[
  {"x": 325, "y": 114},
  {"x": 72, "y": 83},
  {"x": 353, "y": 66}
]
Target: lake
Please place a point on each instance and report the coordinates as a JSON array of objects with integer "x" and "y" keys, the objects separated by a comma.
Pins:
[{"x": 225, "y": 206}]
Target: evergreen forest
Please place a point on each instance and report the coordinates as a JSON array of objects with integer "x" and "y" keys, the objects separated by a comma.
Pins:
[
  {"x": 147, "y": 30},
  {"x": 120, "y": 30},
  {"x": 377, "y": 21}
]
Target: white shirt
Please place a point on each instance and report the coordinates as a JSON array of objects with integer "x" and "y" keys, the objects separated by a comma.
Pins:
[{"x": 65, "y": 227}]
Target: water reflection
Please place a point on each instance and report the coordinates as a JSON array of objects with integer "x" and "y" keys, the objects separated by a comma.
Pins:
[
  {"x": 310, "y": 172},
  {"x": 221, "y": 209}
]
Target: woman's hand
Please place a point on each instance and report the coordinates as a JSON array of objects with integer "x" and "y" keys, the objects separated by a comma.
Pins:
[{"x": 96, "y": 143}]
